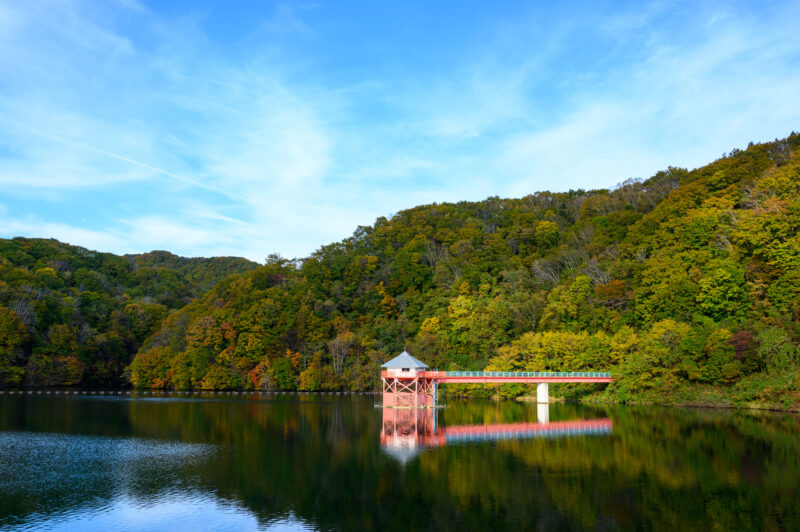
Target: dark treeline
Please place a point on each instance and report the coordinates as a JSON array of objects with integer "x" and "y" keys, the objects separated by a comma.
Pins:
[
  {"x": 685, "y": 285},
  {"x": 71, "y": 316}
]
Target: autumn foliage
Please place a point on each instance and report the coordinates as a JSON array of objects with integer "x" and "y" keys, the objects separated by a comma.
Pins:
[{"x": 685, "y": 283}]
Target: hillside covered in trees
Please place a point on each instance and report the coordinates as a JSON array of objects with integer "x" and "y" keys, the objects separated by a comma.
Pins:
[
  {"x": 71, "y": 316},
  {"x": 685, "y": 285}
]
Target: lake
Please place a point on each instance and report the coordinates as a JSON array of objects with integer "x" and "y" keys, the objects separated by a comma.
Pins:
[{"x": 329, "y": 462}]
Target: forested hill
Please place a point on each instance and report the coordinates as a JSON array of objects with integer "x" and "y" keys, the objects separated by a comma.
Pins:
[
  {"x": 686, "y": 286},
  {"x": 200, "y": 272},
  {"x": 72, "y": 316}
]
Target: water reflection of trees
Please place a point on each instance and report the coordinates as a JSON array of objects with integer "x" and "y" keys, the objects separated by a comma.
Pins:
[{"x": 660, "y": 469}]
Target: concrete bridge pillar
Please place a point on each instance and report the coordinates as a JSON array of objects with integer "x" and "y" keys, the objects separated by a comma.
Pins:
[{"x": 542, "y": 393}]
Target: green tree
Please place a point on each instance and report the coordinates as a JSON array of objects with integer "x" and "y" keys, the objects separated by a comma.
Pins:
[
  {"x": 776, "y": 350},
  {"x": 546, "y": 234},
  {"x": 722, "y": 292},
  {"x": 13, "y": 337}
]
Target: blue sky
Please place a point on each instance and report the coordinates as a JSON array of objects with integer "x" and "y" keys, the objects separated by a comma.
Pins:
[{"x": 247, "y": 128}]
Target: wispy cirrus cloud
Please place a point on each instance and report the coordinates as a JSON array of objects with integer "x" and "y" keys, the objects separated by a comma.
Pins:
[{"x": 127, "y": 126}]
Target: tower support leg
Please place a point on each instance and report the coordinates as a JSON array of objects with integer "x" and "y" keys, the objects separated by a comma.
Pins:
[{"x": 542, "y": 393}]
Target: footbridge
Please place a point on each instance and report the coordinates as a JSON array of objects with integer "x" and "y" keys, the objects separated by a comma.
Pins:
[
  {"x": 408, "y": 383},
  {"x": 507, "y": 377}
]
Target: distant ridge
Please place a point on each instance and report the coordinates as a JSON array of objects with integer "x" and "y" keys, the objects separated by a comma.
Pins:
[{"x": 73, "y": 316}]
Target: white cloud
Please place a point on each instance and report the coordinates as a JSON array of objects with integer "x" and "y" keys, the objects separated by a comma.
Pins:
[
  {"x": 684, "y": 104},
  {"x": 205, "y": 151}
]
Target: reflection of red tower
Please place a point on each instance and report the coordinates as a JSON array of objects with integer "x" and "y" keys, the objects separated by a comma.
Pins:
[{"x": 406, "y": 432}]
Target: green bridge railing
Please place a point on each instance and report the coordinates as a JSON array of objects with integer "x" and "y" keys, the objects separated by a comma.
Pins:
[{"x": 535, "y": 374}]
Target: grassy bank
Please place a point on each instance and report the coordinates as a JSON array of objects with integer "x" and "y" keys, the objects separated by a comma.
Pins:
[{"x": 759, "y": 391}]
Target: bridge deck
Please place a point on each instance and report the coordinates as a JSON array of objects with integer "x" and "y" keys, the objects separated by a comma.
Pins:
[{"x": 506, "y": 377}]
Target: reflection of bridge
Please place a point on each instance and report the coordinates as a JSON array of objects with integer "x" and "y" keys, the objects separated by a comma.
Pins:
[
  {"x": 407, "y": 432},
  {"x": 408, "y": 383}
]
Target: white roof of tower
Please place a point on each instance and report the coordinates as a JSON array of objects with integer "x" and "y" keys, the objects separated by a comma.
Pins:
[{"x": 404, "y": 360}]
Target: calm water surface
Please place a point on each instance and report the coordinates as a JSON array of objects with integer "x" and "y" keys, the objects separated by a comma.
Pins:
[{"x": 339, "y": 463}]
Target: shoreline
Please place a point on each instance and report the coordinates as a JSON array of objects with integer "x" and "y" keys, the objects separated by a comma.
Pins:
[{"x": 589, "y": 400}]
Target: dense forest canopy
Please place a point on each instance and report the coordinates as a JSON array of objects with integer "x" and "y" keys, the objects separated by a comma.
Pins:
[
  {"x": 71, "y": 316},
  {"x": 685, "y": 285}
]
